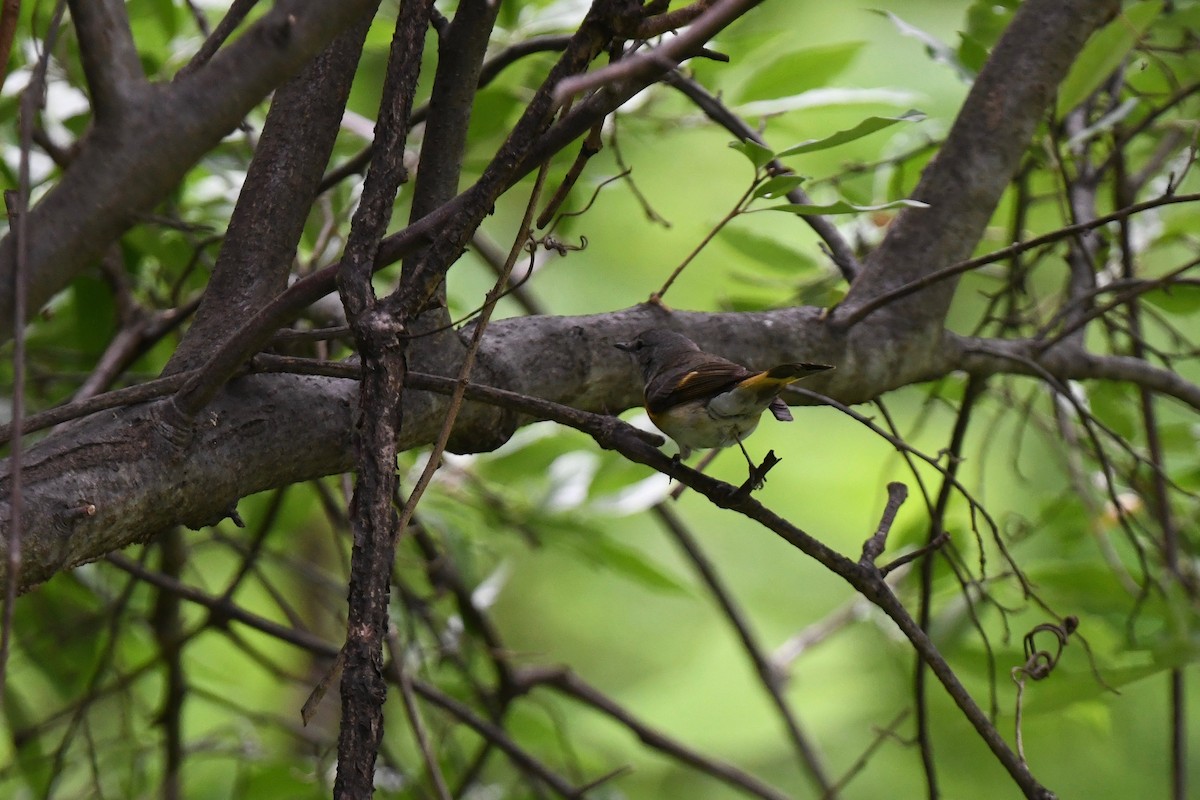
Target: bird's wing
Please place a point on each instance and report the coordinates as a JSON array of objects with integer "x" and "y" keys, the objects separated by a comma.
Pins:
[{"x": 703, "y": 380}]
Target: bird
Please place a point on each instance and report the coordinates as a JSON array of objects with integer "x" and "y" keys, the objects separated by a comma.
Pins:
[{"x": 703, "y": 401}]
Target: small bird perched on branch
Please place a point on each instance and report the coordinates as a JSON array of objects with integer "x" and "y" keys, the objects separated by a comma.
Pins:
[{"x": 704, "y": 401}]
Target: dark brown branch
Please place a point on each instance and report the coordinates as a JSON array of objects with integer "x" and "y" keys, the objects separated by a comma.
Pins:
[
  {"x": 937, "y": 530},
  {"x": 671, "y": 20},
  {"x": 873, "y": 547},
  {"x": 378, "y": 421},
  {"x": 460, "y": 63},
  {"x": 274, "y": 203},
  {"x": 110, "y": 59}
]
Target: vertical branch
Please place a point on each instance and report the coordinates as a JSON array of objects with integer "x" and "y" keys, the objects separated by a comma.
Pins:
[
  {"x": 168, "y": 633},
  {"x": 1161, "y": 504},
  {"x": 937, "y": 530},
  {"x": 460, "y": 61},
  {"x": 377, "y": 428},
  {"x": 461, "y": 49},
  {"x": 18, "y": 212}
]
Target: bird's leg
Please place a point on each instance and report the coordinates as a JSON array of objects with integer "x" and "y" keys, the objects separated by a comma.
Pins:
[
  {"x": 758, "y": 472},
  {"x": 742, "y": 447},
  {"x": 756, "y": 479}
]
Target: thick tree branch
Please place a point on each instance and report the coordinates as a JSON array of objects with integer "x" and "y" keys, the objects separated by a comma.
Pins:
[
  {"x": 266, "y": 431},
  {"x": 980, "y": 156},
  {"x": 1027, "y": 357},
  {"x": 281, "y": 184}
]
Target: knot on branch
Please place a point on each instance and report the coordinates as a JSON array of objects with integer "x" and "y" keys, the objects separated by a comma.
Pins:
[
  {"x": 173, "y": 424},
  {"x": 379, "y": 333},
  {"x": 873, "y": 547}
]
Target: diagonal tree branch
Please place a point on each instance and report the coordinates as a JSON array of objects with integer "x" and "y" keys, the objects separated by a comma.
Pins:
[
  {"x": 981, "y": 154},
  {"x": 110, "y": 59},
  {"x": 282, "y": 182}
]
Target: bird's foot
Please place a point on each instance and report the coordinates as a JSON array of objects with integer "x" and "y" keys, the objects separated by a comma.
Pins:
[{"x": 758, "y": 473}]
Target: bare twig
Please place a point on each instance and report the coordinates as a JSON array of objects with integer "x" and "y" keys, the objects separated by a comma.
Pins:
[
  {"x": 929, "y": 279},
  {"x": 237, "y": 12},
  {"x": 572, "y": 686},
  {"x": 715, "y": 109},
  {"x": 17, "y": 204},
  {"x": 645, "y": 66},
  {"x": 768, "y": 674}
]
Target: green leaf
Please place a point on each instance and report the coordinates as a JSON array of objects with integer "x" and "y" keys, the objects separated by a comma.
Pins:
[
  {"x": 865, "y": 128},
  {"x": 986, "y": 20},
  {"x": 1180, "y": 299},
  {"x": 584, "y": 536},
  {"x": 843, "y": 207},
  {"x": 971, "y": 52},
  {"x": 798, "y": 70},
  {"x": 759, "y": 156},
  {"x": 629, "y": 563},
  {"x": 778, "y": 186},
  {"x": 766, "y": 250},
  {"x": 937, "y": 50},
  {"x": 1104, "y": 52},
  {"x": 1115, "y": 405}
]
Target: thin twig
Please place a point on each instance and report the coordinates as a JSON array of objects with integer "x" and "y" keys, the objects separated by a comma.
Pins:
[
  {"x": 768, "y": 675},
  {"x": 929, "y": 279},
  {"x": 17, "y": 204},
  {"x": 464, "y": 373}
]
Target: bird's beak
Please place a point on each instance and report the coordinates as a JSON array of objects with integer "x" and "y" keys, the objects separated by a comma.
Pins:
[{"x": 628, "y": 347}]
